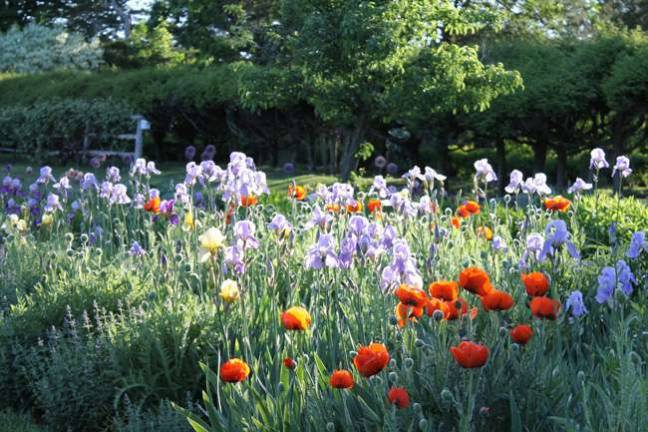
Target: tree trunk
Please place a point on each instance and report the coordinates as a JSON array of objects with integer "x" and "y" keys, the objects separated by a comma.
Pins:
[
  {"x": 501, "y": 165},
  {"x": 354, "y": 139},
  {"x": 561, "y": 166},
  {"x": 539, "y": 156}
]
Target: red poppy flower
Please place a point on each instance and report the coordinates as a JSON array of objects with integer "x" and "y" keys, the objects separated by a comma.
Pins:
[
  {"x": 444, "y": 290},
  {"x": 470, "y": 355},
  {"x": 411, "y": 296},
  {"x": 341, "y": 379},
  {"x": 374, "y": 205},
  {"x": 435, "y": 304},
  {"x": 473, "y": 207},
  {"x": 234, "y": 370},
  {"x": 536, "y": 284},
  {"x": 544, "y": 307},
  {"x": 463, "y": 212},
  {"x": 297, "y": 192},
  {"x": 405, "y": 313},
  {"x": 153, "y": 205},
  {"x": 398, "y": 396},
  {"x": 521, "y": 334},
  {"x": 289, "y": 363},
  {"x": 497, "y": 300},
  {"x": 558, "y": 203},
  {"x": 458, "y": 308},
  {"x": 475, "y": 280},
  {"x": 296, "y": 318},
  {"x": 249, "y": 201},
  {"x": 371, "y": 359}
]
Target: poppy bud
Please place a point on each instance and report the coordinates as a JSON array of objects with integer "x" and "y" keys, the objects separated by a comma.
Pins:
[
  {"x": 393, "y": 377},
  {"x": 376, "y": 379},
  {"x": 178, "y": 258},
  {"x": 187, "y": 268},
  {"x": 84, "y": 238},
  {"x": 69, "y": 253},
  {"x": 580, "y": 376},
  {"x": 69, "y": 237},
  {"x": 446, "y": 395},
  {"x": 417, "y": 407},
  {"x": 423, "y": 424},
  {"x": 419, "y": 343},
  {"x": 409, "y": 363},
  {"x": 437, "y": 315},
  {"x": 515, "y": 347},
  {"x": 503, "y": 332},
  {"x": 330, "y": 427},
  {"x": 392, "y": 364},
  {"x": 555, "y": 372},
  {"x": 393, "y": 320},
  {"x": 353, "y": 353},
  {"x": 280, "y": 387}
]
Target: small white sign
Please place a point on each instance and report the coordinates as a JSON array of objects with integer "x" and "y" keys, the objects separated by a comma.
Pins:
[{"x": 144, "y": 124}]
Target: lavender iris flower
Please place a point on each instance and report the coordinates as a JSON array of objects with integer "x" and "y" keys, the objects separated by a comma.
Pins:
[
  {"x": 576, "y": 304},
  {"x": 597, "y": 159},
  {"x": 638, "y": 244},
  {"x": 579, "y": 186},
  {"x": 484, "y": 171},
  {"x": 244, "y": 232},
  {"x": 45, "y": 175},
  {"x": 234, "y": 257},
  {"x": 322, "y": 254},
  {"x": 556, "y": 235},
  {"x": 136, "y": 250},
  {"x": 113, "y": 175},
  {"x": 615, "y": 278},
  {"x": 622, "y": 166},
  {"x": 515, "y": 182},
  {"x": 279, "y": 223},
  {"x": 53, "y": 203},
  {"x": 318, "y": 218}
]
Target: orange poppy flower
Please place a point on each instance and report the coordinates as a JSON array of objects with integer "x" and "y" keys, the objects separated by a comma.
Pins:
[
  {"x": 289, "y": 363},
  {"x": 410, "y": 295},
  {"x": 458, "y": 308},
  {"x": 544, "y": 307},
  {"x": 371, "y": 359},
  {"x": 444, "y": 290},
  {"x": 485, "y": 232},
  {"x": 355, "y": 207},
  {"x": 297, "y": 192},
  {"x": 374, "y": 205},
  {"x": 470, "y": 355},
  {"x": 463, "y": 212},
  {"x": 521, "y": 334},
  {"x": 341, "y": 379},
  {"x": 406, "y": 313},
  {"x": 249, "y": 201},
  {"x": 475, "y": 280},
  {"x": 497, "y": 300},
  {"x": 558, "y": 203},
  {"x": 234, "y": 370},
  {"x": 435, "y": 304},
  {"x": 398, "y": 396},
  {"x": 333, "y": 208},
  {"x": 536, "y": 283},
  {"x": 472, "y": 207},
  {"x": 296, "y": 318},
  {"x": 456, "y": 222},
  {"x": 153, "y": 205}
]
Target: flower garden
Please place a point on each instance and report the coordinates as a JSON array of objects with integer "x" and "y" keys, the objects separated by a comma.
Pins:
[{"x": 220, "y": 305}]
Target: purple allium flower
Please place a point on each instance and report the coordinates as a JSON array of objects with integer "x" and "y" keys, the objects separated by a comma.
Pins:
[
  {"x": 380, "y": 162},
  {"x": 190, "y": 153},
  {"x": 113, "y": 175},
  {"x": 622, "y": 166},
  {"x": 392, "y": 168},
  {"x": 136, "y": 250},
  {"x": 638, "y": 244},
  {"x": 484, "y": 171},
  {"x": 576, "y": 304},
  {"x": 515, "y": 181},
  {"x": 322, "y": 254},
  {"x": 53, "y": 203},
  {"x": 244, "y": 232},
  {"x": 579, "y": 186},
  {"x": 597, "y": 159},
  {"x": 209, "y": 153},
  {"x": 95, "y": 162},
  {"x": 45, "y": 175},
  {"x": 288, "y": 168}
]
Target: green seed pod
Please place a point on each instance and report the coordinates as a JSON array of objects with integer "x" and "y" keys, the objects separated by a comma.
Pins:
[
  {"x": 409, "y": 363},
  {"x": 423, "y": 424}
]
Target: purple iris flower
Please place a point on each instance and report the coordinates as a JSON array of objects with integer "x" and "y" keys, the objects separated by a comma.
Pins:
[
  {"x": 318, "y": 218},
  {"x": 234, "y": 257},
  {"x": 113, "y": 175},
  {"x": 279, "y": 223},
  {"x": 45, "y": 175},
  {"x": 244, "y": 232},
  {"x": 347, "y": 251},
  {"x": 322, "y": 254},
  {"x": 556, "y": 235},
  {"x": 136, "y": 250},
  {"x": 576, "y": 304},
  {"x": 638, "y": 244},
  {"x": 53, "y": 203}
]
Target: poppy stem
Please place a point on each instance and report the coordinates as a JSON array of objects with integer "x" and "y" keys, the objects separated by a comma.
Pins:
[{"x": 465, "y": 424}]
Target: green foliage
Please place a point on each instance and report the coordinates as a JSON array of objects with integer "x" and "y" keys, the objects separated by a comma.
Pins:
[
  {"x": 36, "y": 48},
  {"x": 13, "y": 422},
  {"x": 64, "y": 124}
]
